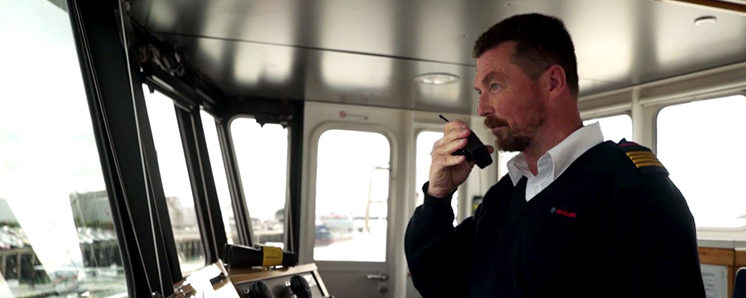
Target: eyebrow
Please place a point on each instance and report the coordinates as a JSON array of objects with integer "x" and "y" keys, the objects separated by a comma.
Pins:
[{"x": 495, "y": 74}]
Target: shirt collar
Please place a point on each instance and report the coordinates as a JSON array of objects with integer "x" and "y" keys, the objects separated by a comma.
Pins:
[{"x": 562, "y": 155}]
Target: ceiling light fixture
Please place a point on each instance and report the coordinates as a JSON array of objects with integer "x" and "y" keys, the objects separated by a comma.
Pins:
[
  {"x": 705, "y": 21},
  {"x": 439, "y": 78}
]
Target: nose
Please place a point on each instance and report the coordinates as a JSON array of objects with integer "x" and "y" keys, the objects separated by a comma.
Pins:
[{"x": 483, "y": 107}]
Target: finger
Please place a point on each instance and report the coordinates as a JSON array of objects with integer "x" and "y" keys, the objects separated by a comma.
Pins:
[
  {"x": 464, "y": 124},
  {"x": 444, "y": 147},
  {"x": 490, "y": 149},
  {"x": 456, "y": 134},
  {"x": 453, "y": 125},
  {"x": 454, "y": 145},
  {"x": 448, "y": 138},
  {"x": 452, "y": 160}
]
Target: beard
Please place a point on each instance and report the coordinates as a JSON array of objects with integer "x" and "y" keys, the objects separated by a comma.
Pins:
[{"x": 517, "y": 137}]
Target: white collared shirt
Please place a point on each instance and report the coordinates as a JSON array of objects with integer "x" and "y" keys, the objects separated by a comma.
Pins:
[{"x": 552, "y": 164}]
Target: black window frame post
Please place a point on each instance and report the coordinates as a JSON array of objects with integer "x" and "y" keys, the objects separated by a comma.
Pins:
[
  {"x": 204, "y": 191},
  {"x": 108, "y": 58},
  {"x": 238, "y": 201}
]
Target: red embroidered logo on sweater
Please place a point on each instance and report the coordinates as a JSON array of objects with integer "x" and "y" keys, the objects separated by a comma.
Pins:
[{"x": 563, "y": 212}]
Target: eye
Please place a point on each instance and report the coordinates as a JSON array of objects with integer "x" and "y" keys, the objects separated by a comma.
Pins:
[{"x": 494, "y": 86}]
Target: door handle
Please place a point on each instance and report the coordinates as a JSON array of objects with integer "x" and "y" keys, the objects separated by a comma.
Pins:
[{"x": 379, "y": 277}]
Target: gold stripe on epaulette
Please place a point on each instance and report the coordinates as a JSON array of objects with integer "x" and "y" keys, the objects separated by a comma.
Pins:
[
  {"x": 642, "y": 156},
  {"x": 644, "y": 159},
  {"x": 636, "y": 153},
  {"x": 649, "y": 164},
  {"x": 640, "y": 153}
]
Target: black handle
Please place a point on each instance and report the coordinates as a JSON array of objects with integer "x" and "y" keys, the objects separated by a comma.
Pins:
[{"x": 300, "y": 287}]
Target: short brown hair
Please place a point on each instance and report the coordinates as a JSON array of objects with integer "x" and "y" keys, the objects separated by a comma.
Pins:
[{"x": 541, "y": 41}]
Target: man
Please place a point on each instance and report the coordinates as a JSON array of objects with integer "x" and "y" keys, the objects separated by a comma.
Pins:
[{"x": 575, "y": 216}]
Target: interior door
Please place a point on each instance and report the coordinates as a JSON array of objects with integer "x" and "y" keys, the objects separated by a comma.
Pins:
[{"x": 350, "y": 225}]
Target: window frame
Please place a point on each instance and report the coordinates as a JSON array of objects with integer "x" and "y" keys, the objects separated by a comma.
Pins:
[
  {"x": 613, "y": 109},
  {"x": 291, "y": 113},
  {"x": 365, "y": 128}
]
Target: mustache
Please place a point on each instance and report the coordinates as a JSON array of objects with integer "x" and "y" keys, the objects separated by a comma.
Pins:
[{"x": 493, "y": 121}]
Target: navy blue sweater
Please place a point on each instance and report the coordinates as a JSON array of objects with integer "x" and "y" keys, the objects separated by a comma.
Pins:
[{"x": 609, "y": 226}]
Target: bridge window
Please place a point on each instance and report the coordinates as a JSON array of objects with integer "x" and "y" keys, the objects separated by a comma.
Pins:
[
  {"x": 701, "y": 144},
  {"x": 424, "y": 146},
  {"x": 352, "y": 191},
  {"x": 175, "y": 178},
  {"x": 614, "y": 128},
  {"x": 262, "y": 155},
  {"x": 57, "y": 232},
  {"x": 218, "y": 172}
]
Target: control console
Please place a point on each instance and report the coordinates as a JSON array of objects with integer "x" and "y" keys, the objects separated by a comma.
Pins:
[{"x": 300, "y": 281}]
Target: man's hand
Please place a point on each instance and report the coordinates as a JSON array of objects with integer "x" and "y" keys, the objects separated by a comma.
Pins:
[{"x": 448, "y": 171}]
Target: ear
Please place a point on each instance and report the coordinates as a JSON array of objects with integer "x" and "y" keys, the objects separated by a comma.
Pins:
[{"x": 557, "y": 81}]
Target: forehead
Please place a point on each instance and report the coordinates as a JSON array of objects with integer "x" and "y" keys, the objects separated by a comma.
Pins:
[{"x": 495, "y": 61}]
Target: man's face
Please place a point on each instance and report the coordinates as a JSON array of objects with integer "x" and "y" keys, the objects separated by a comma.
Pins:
[{"x": 511, "y": 102}]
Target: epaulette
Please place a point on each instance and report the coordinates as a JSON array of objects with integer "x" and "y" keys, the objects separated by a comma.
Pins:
[{"x": 642, "y": 157}]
